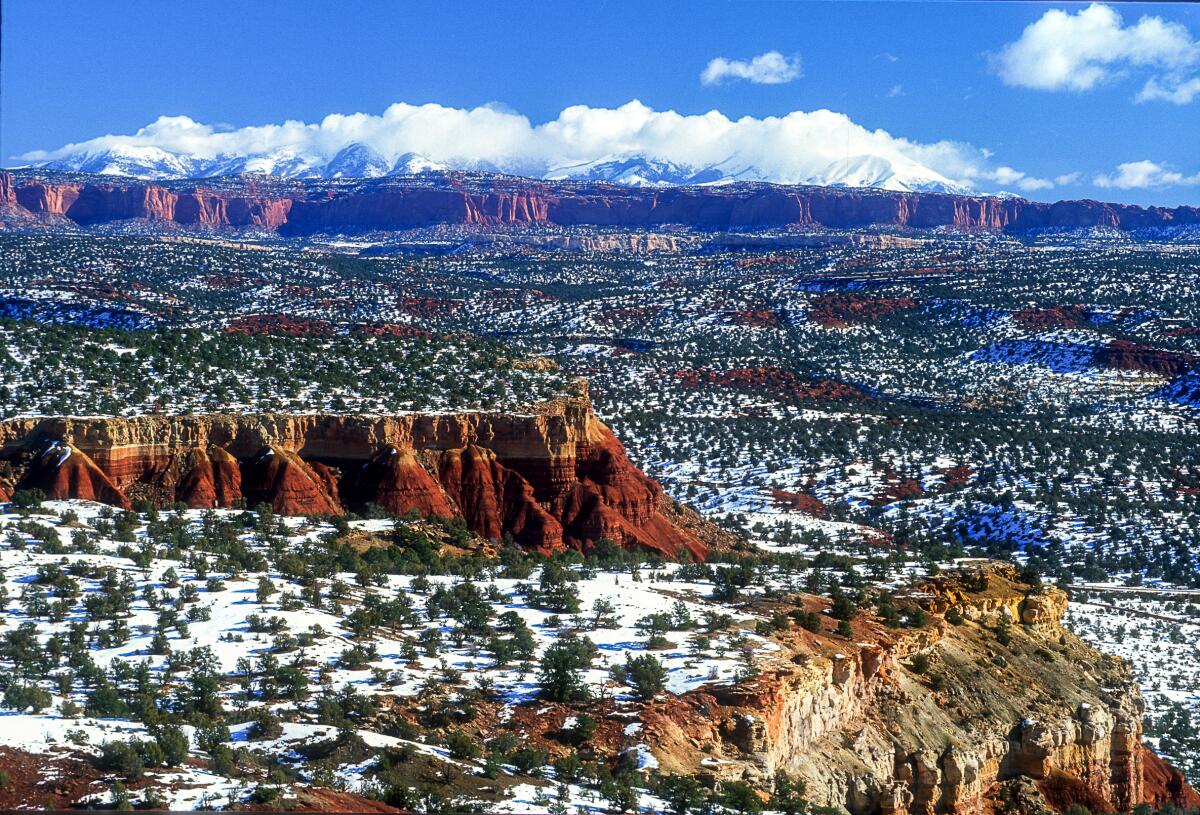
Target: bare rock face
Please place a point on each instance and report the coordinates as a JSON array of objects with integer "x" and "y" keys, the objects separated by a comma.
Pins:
[
  {"x": 396, "y": 481},
  {"x": 496, "y": 499},
  {"x": 281, "y": 478},
  {"x": 302, "y": 208},
  {"x": 61, "y": 470},
  {"x": 1044, "y": 720},
  {"x": 212, "y": 479},
  {"x": 556, "y": 477}
]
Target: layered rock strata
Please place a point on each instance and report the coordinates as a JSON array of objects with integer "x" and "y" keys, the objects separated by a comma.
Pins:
[
  {"x": 550, "y": 479},
  {"x": 943, "y": 719},
  {"x": 298, "y": 208}
]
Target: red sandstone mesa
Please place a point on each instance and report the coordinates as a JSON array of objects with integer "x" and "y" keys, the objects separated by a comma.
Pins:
[
  {"x": 59, "y": 470},
  {"x": 213, "y": 479},
  {"x": 396, "y": 481},
  {"x": 301, "y": 208},
  {"x": 551, "y": 479}
]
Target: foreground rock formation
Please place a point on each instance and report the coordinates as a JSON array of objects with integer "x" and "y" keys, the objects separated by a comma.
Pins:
[
  {"x": 939, "y": 719},
  {"x": 296, "y": 208},
  {"x": 551, "y": 479}
]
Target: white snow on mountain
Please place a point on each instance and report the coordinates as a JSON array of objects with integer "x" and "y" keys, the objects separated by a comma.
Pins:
[
  {"x": 128, "y": 160},
  {"x": 632, "y": 145},
  {"x": 357, "y": 161},
  {"x": 633, "y": 171},
  {"x": 360, "y": 161},
  {"x": 415, "y": 163},
  {"x": 887, "y": 174}
]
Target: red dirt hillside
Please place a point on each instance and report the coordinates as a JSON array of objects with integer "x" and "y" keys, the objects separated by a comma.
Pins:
[
  {"x": 842, "y": 310},
  {"x": 777, "y": 381},
  {"x": 1164, "y": 784}
]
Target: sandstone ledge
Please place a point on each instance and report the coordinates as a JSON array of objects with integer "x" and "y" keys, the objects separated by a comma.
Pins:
[{"x": 553, "y": 478}]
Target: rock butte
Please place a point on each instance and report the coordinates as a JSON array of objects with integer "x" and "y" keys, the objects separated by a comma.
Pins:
[
  {"x": 552, "y": 479},
  {"x": 291, "y": 207},
  {"x": 1048, "y": 717}
]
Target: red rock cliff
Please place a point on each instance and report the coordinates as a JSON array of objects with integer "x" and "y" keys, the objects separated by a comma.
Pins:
[
  {"x": 305, "y": 207},
  {"x": 551, "y": 479}
]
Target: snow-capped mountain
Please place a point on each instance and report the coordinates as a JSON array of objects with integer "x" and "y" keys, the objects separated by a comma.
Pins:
[
  {"x": 856, "y": 171},
  {"x": 359, "y": 160},
  {"x": 633, "y": 171},
  {"x": 286, "y": 163},
  {"x": 886, "y": 174},
  {"x": 415, "y": 164},
  {"x": 128, "y": 160}
]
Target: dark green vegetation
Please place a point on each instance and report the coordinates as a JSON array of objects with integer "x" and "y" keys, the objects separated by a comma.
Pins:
[
  {"x": 71, "y": 370},
  {"x": 963, "y": 395}
]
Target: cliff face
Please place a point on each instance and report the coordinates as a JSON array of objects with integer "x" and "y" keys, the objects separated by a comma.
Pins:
[
  {"x": 968, "y": 725},
  {"x": 99, "y": 201},
  {"x": 501, "y": 201},
  {"x": 552, "y": 479}
]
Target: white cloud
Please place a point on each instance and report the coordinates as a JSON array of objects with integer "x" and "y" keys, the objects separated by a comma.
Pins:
[
  {"x": 1009, "y": 177},
  {"x": 1067, "y": 179},
  {"x": 1077, "y": 52},
  {"x": 1182, "y": 92},
  {"x": 771, "y": 68},
  {"x": 1136, "y": 175},
  {"x": 786, "y": 149}
]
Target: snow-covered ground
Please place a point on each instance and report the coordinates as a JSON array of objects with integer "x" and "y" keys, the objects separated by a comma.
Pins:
[
  {"x": 177, "y": 574},
  {"x": 1159, "y": 633}
]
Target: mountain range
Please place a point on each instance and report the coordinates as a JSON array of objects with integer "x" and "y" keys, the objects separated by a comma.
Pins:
[{"x": 358, "y": 160}]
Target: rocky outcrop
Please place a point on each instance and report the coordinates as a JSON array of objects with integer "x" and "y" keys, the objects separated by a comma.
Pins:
[
  {"x": 60, "y": 470},
  {"x": 99, "y": 200},
  {"x": 396, "y": 481},
  {"x": 841, "y": 310},
  {"x": 290, "y": 485},
  {"x": 1124, "y": 355},
  {"x": 780, "y": 382},
  {"x": 212, "y": 479},
  {"x": 1164, "y": 784},
  {"x": 489, "y": 201},
  {"x": 553, "y": 478},
  {"x": 941, "y": 719},
  {"x": 496, "y": 499}
]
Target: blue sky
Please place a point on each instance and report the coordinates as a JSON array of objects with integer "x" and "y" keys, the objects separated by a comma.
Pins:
[{"x": 924, "y": 72}]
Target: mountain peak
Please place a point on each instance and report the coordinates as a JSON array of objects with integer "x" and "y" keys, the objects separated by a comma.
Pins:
[
  {"x": 415, "y": 164},
  {"x": 886, "y": 174},
  {"x": 356, "y": 160},
  {"x": 360, "y": 160}
]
